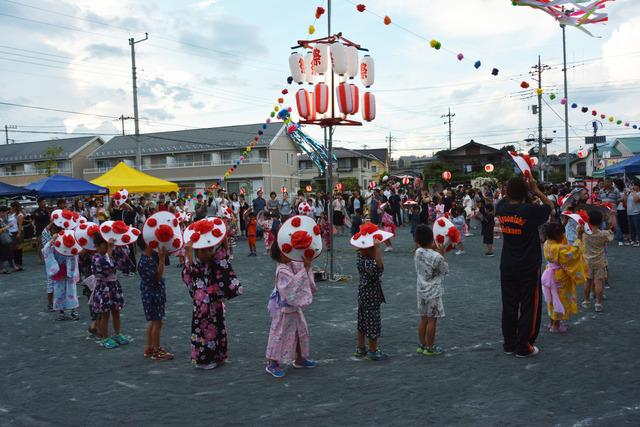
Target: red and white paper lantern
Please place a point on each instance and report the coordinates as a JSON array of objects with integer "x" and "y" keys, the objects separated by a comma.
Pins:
[
  {"x": 367, "y": 71},
  {"x": 344, "y": 98},
  {"x": 321, "y": 98},
  {"x": 297, "y": 68},
  {"x": 446, "y": 175},
  {"x": 304, "y": 102},
  {"x": 310, "y": 71},
  {"x": 405, "y": 180},
  {"x": 352, "y": 62},
  {"x": 368, "y": 107},
  {"x": 488, "y": 168},
  {"x": 338, "y": 53},
  {"x": 355, "y": 95},
  {"x": 372, "y": 185},
  {"x": 321, "y": 59}
]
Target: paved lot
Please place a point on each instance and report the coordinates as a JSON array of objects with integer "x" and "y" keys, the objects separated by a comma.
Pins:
[{"x": 51, "y": 374}]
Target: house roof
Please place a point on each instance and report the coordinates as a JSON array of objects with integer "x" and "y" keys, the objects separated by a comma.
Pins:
[
  {"x": 341, "y": 153},
  {"x": 632, "y": 144},
  {"x": 379, "y": 153},
  {"x": 190, "y": 140},
  {"x": 37, "y": 150},
  {"x": 471, "y": 143}
]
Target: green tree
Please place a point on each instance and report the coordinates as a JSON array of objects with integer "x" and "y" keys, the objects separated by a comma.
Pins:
[
  {"x": 508, "y": 148},
  {"x": 51, "y": 164},
  {"x": 350, "y": 183}
]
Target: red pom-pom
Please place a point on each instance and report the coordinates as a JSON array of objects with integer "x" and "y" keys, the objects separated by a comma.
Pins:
[
  {"x": 119, "y": 227},
  {"x": 66, "y": 224},
  {"x": 203, "y": 226},
  {"x": 68, "y": 240},
  {"x": 152, "y": 222},
  {"x": 117, "y": 196},
  {"x": 449, "y": 248},
  {"x": 67, "y": 214},
  {"x": 54, "y": 216},
  {"x": 440, "y": 238},
  {"x": 105, "y": 229},
  {"x": 176, "y": 243},
  {"x": 60, "y": 233},
  {"x": 524, "y": 85},
  {"x": 164, "y": 233},
  {"x": 357, "y": 236},
  {"x": 286, "y": 248},
  {"x": 74, "y": 251},
  {"x": 387, "y": 20},
  {"x": 82, "y": 241},
  {"x": 216, "y": 232},
  {"x": 319, "y": 12},
  {"x": 296, "y": 222},
  {"x": 441, "y": 222},
  {"x": 135, "y": 231},
  {"x": 316, "y": 230},
  {"x": 368, "y": 228},
  {"x": 195, "y": 237},
  {"x": 377, "y": 237},
  {"x": 83, "y": 226},
  {"x": 301, "y": 239},
  {"x": 361, "y": 7},
  {"x": 153, "y": 244},
  {"x": 57, "y": 243},
  {"x": 126, "y": 238},
  {"x": 175, "y": 222},
  {"x": 217, "y": 221},
  {"x": 581, "y": 222},
  {"x": 309, "y": 253},
  {"x": 285, "y": 91}
]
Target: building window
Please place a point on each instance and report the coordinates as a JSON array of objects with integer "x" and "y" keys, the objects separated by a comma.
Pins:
[
  {"x": 374, "y": 169},
  {"x": 582, "y": 169},
  {"x": 344, "y": 163}
]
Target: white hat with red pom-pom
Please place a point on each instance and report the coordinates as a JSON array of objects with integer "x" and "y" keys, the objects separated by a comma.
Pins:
[
  {"x": 162, "y": 230},
  {"x": 121, "y": 233},
  {"x": 304, "y": 208},
  {"x": 581, "y": 217},
  {"x": 183, "y": 216},
  {"x": 120, "y": 197},
  {"x": 226, "y": 212},
  {"x": 206, "y": 233},
  {"x": 445, "y": 233},
  {"x": 300, "y": 237},
  {"x": 367, "y": 236},
  {"x": 523, "y": 161},
  {"x": 85, "y": 235},
  {"x": 65, "y": 243},
  {"x": 65, "y": 219}
]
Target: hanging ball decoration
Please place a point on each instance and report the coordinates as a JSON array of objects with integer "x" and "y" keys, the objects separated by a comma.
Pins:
[
  {"x": 611, "y": 119},
  {"x": 635, "y": 126},
  {"x": 584, "y": 109},
  {"x": 361, "y": 7},
  {"x": 603, "y": 116},
  {"x": 477, "y": 64},
  {"x": 276, "y": 108},
  {"x": 563, "y": 101},
  {"x": 495, "y": 72},
  {"x": 280, "y": 100},
  {"x": 539, "y": 91},
  {"x": 574, "y": 105},
  {"x": 524, "y": 85},
  {"x": 289, "y": 81},
  {"x": 319, "y": 12},
  {"x": 311, "y": 29},
  {"x": 285, "y": 91},
  {"x": 273, "y": 114},
  {"x": 309, "y": 189},
  {"x": 582, "y": 153},
  {"x": 433, "y": 43},
  {"x": 626, "y": 124},
  {"x": 460, "y": 57},
  {"x": 387, "y": 20},
  {"x": 291, "y": 129},
  {"x": 488, "y": 167},
  {"x": 446, "y": 175},
  {"x": 594, "y": 113},
  {"x": 619, "y": 122},
  {"x": 552, "y": 96}
]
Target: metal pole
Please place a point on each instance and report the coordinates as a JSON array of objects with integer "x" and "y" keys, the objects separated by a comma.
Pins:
[
  {"x": 6, "y": 134},
  {"x": 540, "y": 157},
  {"x": 132, "y": 43},
  {"x": 567, "y": 170},
  {"x": 330, "y": 148}
]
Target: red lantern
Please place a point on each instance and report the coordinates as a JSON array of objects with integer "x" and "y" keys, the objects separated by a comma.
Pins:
[
  {"x": 304, "y": 102},
  {"x": 355, "y": 95},
  {"x": 488, "y": 167},
  {"x": 309, "y": 189},
  {"x": 368, "y": 106},
  {"x": 339, "y": 186},
  {"x": 283, "y": 189},
  {"x": 372, "y": 185},
  {"x": 321, "y": 98},
  {"x": 582, "y": 153},
  {"x": 405, "y": 180},
  {"x": 344, "y": 98},
  {"x": 446, "y": 175}
]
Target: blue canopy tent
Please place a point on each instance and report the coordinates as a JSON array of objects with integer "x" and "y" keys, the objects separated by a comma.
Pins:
[
  {"x": 629, "y": 166},
  {"x": 64, "y": 186},
  {"x": 8, "y": 190}
]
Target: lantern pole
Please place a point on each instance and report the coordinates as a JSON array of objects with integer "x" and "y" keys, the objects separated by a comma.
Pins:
[
  {"x": 567, "y": 170},
  {"x": 330, "y": 148}
]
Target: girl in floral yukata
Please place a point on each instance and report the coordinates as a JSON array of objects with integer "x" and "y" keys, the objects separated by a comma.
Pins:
[
  {"x": 289, "y": 336},
  {"x": 210, "y": 280},
  {"x": 63, "y": 274}
]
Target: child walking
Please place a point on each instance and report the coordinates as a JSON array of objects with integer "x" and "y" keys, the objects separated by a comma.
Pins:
[
  {"x": 153, "y": 295},
  {"x": 596, "y": 257},
  {"x": 459, "y": 221},
  {"x": 488, "y": 223},
  {"x": 108, "y": 298},
  {"x": 431, "y": 269},
  {"x": 63, "y": 274},
  {"x": 210, "y": 280},
  {"x": 252, "y": 231},
  {"x": 288, "y": 335},
  {"x": 388, "y": 225},
  {"x": 565, "y": 270}
]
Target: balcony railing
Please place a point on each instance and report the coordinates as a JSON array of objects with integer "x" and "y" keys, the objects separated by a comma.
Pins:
[
  {"x": 205, "y": 163},
  {"x": 35, "y": 172}
]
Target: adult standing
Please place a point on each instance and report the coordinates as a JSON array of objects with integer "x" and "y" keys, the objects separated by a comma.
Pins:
[
  {"x": 447, "y": 200},
  {"x": 394, "y": 202},
  {"x": 319, "y": 207},
  {"x": 259, "y": 203},
  {"x": 424, "y": 202},
  {"x": 520, "y": 265},
  {"x": 622, "y": 221},
  {"x": 633, "y": 212},
  {"x": 285, "y": 206},
  {"x": 200, "y": 208},
  {"x": 5, "y": 241},
  {"x": 41, "y": 220},
  {"x": 15, "y": 220},
  {"x": 338, "y": 213},
  {"x": 244, "y": 206},
  {"x": 609, "y": 194}
]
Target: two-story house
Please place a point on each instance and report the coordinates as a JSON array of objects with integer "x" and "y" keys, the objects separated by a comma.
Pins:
[
  {"x": 26, "y": 162},
  {"x": 195, "y": 159},
  {"x": 350, "y": 164},
  {"x": 379, "y": 161}
]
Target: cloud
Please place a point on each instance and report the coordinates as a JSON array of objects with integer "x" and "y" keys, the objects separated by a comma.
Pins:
[
  {"x": 198, "y": 105},
  {"x": 158, "y": 114},
  {"x": 105, "y": 128},
  {"x": 180, "y": 93},
  {"x": 103, "y": 50}
]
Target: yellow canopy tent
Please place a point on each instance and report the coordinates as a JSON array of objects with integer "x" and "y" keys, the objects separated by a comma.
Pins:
[{"x": 123, "y": 176}]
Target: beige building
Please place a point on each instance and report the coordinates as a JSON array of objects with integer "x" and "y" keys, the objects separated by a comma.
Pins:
[
  {"x": 26, "y": 162},
  {"x": 195, "y": 159},
  {"x": 350, "y": 164}
]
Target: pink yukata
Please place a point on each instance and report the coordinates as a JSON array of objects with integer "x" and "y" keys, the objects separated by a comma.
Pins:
[{"x": 294, "y": 291}]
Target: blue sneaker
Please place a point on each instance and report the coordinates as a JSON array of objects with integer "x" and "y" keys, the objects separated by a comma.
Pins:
[
  {"x": 274, "y": 369},
  {"x": 377, "y": 355},
  {"x": 305, "y": 363},
  {"x": 433, "y": 351}
]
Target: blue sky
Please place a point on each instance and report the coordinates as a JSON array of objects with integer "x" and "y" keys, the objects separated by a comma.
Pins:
[{"x": 222, "y": 62}]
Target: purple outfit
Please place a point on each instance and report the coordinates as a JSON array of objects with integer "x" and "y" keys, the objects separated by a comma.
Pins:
[{"x": 107, "y": 294}]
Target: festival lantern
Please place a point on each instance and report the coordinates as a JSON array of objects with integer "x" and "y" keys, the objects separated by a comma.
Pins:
[
  {"x": 446, "y": 175},
  {"x": 309, "y": 189},
  {"x": 339, "y": 186},
  {"x": 372, "y": 185},
  {"x": 367, "y": 71},
  {"x": 405, "y": 180},
  {"x": 355, "y": 95},
  {"x": 488, "y": 168},
  {"x": 304, "y": 101},
  {"x": 283, "y": 189},
  {"x": 352, "y": 62},
  {"x": 344, "y": 98},
  {"x": 368, "y": 107},
  {"x": 582, "y": 153},
  {"x": 321, "y": 97},
  {"x": 534, "y": 161},
  {"x": 321, "y": 59},
  {"x": 310, "y": 70},
  {"x": 338, "y": 53},
  {"x": 296, "y": 66}
]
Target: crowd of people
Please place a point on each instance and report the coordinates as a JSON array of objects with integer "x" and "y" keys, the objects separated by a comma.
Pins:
[{"x": 563, "y": 224}]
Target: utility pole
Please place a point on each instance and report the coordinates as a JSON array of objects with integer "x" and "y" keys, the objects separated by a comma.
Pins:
[
  {"x": 537, "y": 70},
  {"x": 132, "y": 43},
  {"x": 122, "y": 118},
  {"x": 389, "y": 139},
  {"x": 6, "y": 133},
  {"x": 448, "y": 116}
]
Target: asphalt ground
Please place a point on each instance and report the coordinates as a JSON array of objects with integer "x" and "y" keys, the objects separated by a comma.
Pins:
[{"x": 53, "y": 374}]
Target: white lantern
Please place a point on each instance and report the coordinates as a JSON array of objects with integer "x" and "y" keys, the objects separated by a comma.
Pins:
[
  {"x": 321, "y": 97},
  {"x": 368, "y": 106},
  {"x": 310, "y": 70},
  {"x": 296, "y": 66},
  {"x": 339, "y": 58},
  {"x": 304, "y": 102},
  {"x": 321, "y": 59},
  {"x": 534, "y": 161},
  {"x": 355, "y": 95},
  {"x": 367, "y": 71},
  {"x": 352, "y": 61},
  {"x": 344, "y": 98},
  {"x": 488, "y": 168}
]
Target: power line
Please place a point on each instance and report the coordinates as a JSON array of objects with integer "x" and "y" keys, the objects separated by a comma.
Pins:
[{"x": 57, "y": 110}]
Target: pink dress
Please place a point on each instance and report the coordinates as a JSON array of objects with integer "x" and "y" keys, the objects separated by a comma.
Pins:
[
  {"x": 388, "y": 224},
  {"x": 293, "y": 291}
]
